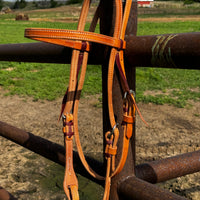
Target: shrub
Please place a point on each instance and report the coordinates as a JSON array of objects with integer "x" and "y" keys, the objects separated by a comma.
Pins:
[
  {"x": 53, "y": 4},
  {"x": 73, "y": 1},
  {"x": 187, "y": 2},
  {"x": 1, "y": 4},
  {"x": 20, "y": 4}
]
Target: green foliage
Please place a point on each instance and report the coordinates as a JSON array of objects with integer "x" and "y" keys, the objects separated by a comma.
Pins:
[
  {"x": 153, "y": 28},
  {"x": 20, "y": 4},
  {"x": 171, "y": 86},
  {"x": 53, "y": 4},
  {"x": 35, "y": 4},
  {"x": 39, "y": 81},
  {"x": 188, "y": 2},
  {"x": 73, "y": 2},
  {"x": 1, "y": 4}
]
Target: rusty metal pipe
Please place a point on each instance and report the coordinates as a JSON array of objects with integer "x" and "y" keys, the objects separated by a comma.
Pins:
[
  {"x": 55, "y": 152},
  {"x": 132, "y": 188},
  {"x": 153, "y": 172},
  {"x": 5, "y": 195},
  {"x": 40, "y": 52},
  {"x": 47, "y": 149},
  {"x": 169, "y": 168},
  {"x": 165, "y": 51}
]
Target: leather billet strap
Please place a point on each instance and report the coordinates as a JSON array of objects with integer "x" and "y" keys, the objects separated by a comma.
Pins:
[{"x": 80, "y": 41}]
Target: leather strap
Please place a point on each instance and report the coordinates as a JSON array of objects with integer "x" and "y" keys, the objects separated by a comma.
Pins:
[
  {"x": 70, "y": 181},
  {"x": 80, "y": 41},
  {"x": 67, "y": 37},
  {"x": 73, "y": 190}
]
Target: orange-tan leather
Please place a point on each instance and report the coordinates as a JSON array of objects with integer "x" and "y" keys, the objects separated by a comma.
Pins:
[
  {"x": 68, "y": 37},
  {"x": 80, "y": 41}
]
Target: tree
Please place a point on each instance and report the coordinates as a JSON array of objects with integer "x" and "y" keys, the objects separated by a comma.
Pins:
[
  {"x": 73, "y": 1},
  {"x": 1, "y": 4},
  {"x": 23, "y": 4},
  {"x": 20, "y": 4},
  {"x": 53, "y": 4}
]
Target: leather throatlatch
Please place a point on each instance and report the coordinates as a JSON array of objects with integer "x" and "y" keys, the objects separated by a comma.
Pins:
[{"x": 80, "y": 41}]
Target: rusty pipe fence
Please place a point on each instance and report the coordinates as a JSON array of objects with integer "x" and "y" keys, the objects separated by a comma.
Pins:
[{"x": 164, "y": 51}]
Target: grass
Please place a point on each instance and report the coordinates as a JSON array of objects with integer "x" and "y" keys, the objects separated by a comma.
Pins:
[
  {"x": 174, "y": 86},
  {"x": 40, "y": 81},
  {"x": 153, "y": 28},
  {"x": 54, "y": 183},
  {"x": 49, "y": 81},
  {"x": 171, "y": 86},
  {"x": 169, "y": 9}
]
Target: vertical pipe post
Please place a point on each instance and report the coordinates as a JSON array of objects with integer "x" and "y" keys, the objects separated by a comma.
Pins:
[
  {"x": 129, "y": 166},
  {"x": 106, "y": 27},
  {"x": 130, "y": 69}
]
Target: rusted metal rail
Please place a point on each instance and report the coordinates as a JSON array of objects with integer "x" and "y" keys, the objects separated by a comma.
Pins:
[
  {"x": 46, "y": 148},
  {"x": 164, "y": 51},
  {"x": 152, "y": 172},
  {"x": 132, "y": 188},
  {"x": 169, "y": 168}
]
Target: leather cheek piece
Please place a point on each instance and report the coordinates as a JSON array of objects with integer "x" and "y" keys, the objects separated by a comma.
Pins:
[
  {"x": 74, "y": 192},
  {"x": 129, "y": 131},
  {"x": 128, "y": 119},
  {"x": 111, "y": 151}
]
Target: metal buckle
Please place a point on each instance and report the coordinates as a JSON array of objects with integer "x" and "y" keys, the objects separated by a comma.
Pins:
[
  {"x": 63, "y": 116},
  {"x": 131, "y": 92},
  {"x": 112, "y": 132},
  {"x": 114, "y": 127}
]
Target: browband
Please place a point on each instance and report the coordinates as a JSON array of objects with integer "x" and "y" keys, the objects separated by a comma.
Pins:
[{"x": 69, "y": 37}]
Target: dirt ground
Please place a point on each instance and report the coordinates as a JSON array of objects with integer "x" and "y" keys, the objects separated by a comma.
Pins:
[
  {"x": 171, "y": 131},
  {"x": 170, "y": 19}
]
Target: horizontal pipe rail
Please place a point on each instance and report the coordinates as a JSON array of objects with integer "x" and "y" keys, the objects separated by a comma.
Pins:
[
  {"x": 153, "y": 172},
  {"x": 169, "y": 168},
  {"x": 132, "y": 188},
  {"x": 165, "y": 51},
  {"x": 40, "y": 52},
  {"x": 47, "y": 149}
]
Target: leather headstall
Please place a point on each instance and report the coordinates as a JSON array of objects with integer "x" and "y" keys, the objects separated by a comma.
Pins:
[{"x": 80, "y": 41}]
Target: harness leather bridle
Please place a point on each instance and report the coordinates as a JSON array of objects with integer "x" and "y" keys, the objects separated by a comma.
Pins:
[{"x": 80, "y": 41}]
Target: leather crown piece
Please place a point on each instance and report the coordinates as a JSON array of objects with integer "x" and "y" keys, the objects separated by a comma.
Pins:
[{"x": 80, "y": 41}]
